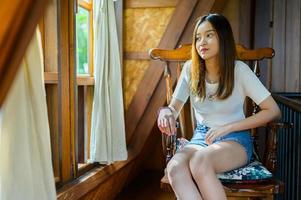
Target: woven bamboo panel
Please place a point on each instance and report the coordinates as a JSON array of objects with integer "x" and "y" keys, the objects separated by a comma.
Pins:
[
  {"x": 133, "y": 73},
  {"x": 144, "y": 27}
]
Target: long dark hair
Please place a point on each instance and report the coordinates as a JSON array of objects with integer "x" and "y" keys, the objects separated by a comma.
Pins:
[{"x": 227, "y": 55}]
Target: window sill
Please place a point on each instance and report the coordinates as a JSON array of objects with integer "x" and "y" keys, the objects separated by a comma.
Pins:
[
  {"x": 52, "y": 78},
  {"x": 101, "y": 176}
]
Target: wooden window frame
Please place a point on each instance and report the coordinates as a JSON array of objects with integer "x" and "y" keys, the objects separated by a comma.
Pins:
[
  {"x": 85, "y": 86},
  {"x": 60, "y": 75},
  {"x": 83, "y": 79}
]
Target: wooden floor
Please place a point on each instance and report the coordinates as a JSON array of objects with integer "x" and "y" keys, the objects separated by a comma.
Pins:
[{"x": 145, "y": 187}]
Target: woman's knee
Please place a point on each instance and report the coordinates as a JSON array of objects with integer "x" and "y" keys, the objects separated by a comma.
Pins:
[
  {"x": 176, "y": 169},
  {"x": 200, "y": 165}
]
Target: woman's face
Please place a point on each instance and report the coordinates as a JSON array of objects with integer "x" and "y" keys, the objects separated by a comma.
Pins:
[{"x": 207, "y": 44}]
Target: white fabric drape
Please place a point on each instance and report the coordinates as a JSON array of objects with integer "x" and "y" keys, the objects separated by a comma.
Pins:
[
  {"x": 25, "y": 154},
  {"x": 108, "y": 130}
]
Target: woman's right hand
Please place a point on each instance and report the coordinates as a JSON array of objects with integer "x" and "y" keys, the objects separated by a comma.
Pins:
[{"x": 166, "y": 121}]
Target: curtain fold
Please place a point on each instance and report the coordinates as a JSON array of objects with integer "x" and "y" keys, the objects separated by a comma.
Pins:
[
  {"x": 25, "y": 153},
  {"x": 108, "y": 130}
]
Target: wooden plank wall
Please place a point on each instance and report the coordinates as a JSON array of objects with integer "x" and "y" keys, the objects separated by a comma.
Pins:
[
  {"x": 278, "y": 42},
  {"x": 262, "y": 30},
  {"x": 277, "y": 24},
  {"x": 286, "y": 40},
  {"x": 292, "y": 46}
]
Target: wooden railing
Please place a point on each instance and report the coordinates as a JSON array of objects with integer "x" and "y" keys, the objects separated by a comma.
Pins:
[{"x": 289, "y": 145}]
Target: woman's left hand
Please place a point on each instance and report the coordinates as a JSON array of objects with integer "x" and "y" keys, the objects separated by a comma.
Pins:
[{"x": 214, "y": 133}]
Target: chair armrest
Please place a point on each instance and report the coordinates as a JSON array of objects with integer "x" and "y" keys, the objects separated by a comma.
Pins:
[
  {"x": 270, "y": 158},
  {"x": 276, "y": 125}
]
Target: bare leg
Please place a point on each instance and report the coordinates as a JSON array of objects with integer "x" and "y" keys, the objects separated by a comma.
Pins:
[
  {"x": 179, "y": 174},
  {"x": 213, "y": 159}
]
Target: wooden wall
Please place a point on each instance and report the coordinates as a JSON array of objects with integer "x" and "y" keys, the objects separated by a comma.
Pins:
[
  {"x": 262, "y": 31},
  {"x": 142, "y": 31},
  {"x": 286, "y": 41},
  {"x": 277, "y": 24}
]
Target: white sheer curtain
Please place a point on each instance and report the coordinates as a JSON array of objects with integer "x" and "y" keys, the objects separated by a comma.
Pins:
[
  {"x": 25, "y": 155},
  {"x": 108, "y": 131}
]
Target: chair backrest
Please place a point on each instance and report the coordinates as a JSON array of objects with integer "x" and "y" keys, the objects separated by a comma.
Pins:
[{"x": 182, "y": 54}]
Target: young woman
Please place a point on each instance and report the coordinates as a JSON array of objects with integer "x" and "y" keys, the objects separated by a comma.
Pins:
[{"x": 217, "y": 85}]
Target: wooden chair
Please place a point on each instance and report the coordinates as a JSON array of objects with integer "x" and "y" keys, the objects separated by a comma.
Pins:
[{"x": 257, "y": 189}]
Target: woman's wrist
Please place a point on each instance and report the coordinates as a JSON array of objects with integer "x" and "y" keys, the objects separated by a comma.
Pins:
[
  {"x": 173, "y": 111},
  {"x": 161, "y": 108},
  {"x": 170, "y": 108}
]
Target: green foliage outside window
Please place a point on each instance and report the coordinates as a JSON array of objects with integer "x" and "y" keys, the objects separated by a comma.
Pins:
[{"x": 82, "y": 41}]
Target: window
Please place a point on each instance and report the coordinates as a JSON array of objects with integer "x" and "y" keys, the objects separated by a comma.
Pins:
[
  {"x": 82, "y": 41},
  {"x": 85, "y": 85},
  {"x": 84, "y": 37},
  {"x": 70, "y": 152},
  {"x": 67, "y": 41}
]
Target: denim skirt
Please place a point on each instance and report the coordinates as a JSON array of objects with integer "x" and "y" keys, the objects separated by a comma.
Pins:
[{"x": 242, "y": 137}]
